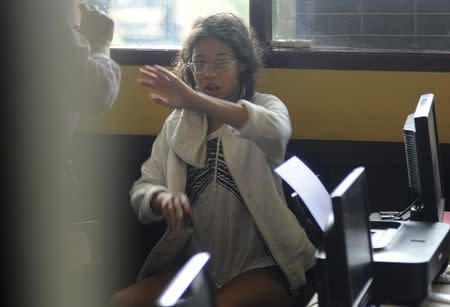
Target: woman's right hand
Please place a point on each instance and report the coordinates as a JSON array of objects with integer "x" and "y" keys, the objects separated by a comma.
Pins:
[
  {"x": 173, "y": 92},
  {"x": 175, "y": 208}
]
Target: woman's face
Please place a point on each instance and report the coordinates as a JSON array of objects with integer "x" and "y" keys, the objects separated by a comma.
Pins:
[{"x": 216, "y": 70}]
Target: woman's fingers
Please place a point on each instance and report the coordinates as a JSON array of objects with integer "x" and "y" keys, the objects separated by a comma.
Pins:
[
  {"x": 168, "y": 213},
  {"x": 165, "y": 72},
  {"x": 160, "y": 71},
  {"x": 150, "y": 83},
  {"x": 176, "y": 210},
  {"x": 184, "y": 209},
  {"x": 148, "y": 75},
  {"x": 151, "y": 78},
  {"x": 160, "y": 100},
  {"x": 146, "y": 83},
  {"x": 147, "y": 72},
  {"x": 187, "y": 209}
]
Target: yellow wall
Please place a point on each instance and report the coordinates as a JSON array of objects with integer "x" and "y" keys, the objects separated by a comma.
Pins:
[{"x": 323, "y": 104}]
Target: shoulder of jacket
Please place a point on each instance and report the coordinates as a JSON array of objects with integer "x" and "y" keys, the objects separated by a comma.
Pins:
[
  {"x": 260, "y": 98},
  {"x": 172, "y": 120}
]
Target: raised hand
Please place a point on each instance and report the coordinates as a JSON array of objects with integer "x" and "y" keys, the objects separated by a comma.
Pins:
[
  {"x": 96, "y": 27},
  {"x": 174, "y": 92}
]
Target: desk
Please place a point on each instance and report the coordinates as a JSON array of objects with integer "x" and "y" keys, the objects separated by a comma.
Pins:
[
  {"x": 440, "y": 288},
  {"x": 437, "y": 287}
]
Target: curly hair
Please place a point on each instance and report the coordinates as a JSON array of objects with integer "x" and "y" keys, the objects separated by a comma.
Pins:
[{"x": 231, "y": 30}]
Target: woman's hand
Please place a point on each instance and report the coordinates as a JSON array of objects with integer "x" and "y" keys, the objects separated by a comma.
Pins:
[
  {"x": 175, "y": 208},
  {"x": 174, "y": 92}
]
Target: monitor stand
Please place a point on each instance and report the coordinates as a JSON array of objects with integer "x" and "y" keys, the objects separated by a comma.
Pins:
[
  {"x": 416, "y": 212},
  {"x": 406, "y": 268}
]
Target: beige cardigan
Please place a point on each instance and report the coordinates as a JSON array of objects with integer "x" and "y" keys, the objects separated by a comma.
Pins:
[{"x": 251, "y": 154}]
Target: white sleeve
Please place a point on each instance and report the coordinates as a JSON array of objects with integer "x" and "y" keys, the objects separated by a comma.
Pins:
[
  {"x": 152, "y": 181},
  {"x": 268, "y": 125},
  {"x": 103, "y": 81},
  {"x": 94, "y": 78}
]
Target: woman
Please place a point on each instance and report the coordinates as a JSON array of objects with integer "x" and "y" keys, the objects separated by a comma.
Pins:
[{"x": 210, "y": 174}]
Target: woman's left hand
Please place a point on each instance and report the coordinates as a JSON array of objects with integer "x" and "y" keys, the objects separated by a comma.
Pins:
[{"x": 174, "y": 92}]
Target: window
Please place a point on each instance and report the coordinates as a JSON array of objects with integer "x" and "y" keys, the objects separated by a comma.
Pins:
[
  {"x": 406, "y": 25},
  {"x": 161, "y": 24},
  {"x": 411, "y": 35}
]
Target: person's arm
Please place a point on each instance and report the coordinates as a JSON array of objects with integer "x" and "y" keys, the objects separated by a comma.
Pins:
[
  {"x": 151, "y": 182},
  {"x": 97, "y": 28},
  {"x": 177, "y": 94},
  {"x": 150, "y": 197},
  {"x": 99, "y": 75},
  {"x": 221, "y": 110},
  {"x": 268, "y": 125},
  {"x": 103, "y": 83},
  {"x": 266, "y": 122}
]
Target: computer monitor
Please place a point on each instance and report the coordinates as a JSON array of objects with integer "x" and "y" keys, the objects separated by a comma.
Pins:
[
  {"x": 189, "y": 287},
  {"x": 348, "y": 249},
  {"x": 422, "y": 154}
]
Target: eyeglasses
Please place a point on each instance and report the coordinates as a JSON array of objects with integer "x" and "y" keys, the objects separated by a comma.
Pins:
[{"x": 218, "y": 66}]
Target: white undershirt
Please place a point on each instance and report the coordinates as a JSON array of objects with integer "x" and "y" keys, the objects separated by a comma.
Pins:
[{"x": 221, "y": 222}]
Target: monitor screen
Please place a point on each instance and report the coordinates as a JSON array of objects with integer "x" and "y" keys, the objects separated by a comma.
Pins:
[
  {"x": 423, "y": 161},
  {"x": 347, "y": 243},
  {"x": 189, "y": 287}
]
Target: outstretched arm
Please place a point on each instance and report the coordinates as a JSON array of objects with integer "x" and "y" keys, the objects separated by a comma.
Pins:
[{"x": 174, "y": 93}]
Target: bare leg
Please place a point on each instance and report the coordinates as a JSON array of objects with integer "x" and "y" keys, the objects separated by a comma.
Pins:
[
  {"x": 144, "y": 292},
  {"x": 265, "y": 287}
]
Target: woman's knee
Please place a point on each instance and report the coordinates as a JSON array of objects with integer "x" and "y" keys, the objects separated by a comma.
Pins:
[
  {"x": 133, "y": 296},
  {"x": 259, "y": 287},
  {"x": 120, "y": 298},
  {"x": 142, "y": 293}
]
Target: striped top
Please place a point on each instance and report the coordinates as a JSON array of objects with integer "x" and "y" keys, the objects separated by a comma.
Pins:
[{"x": 221, "y": 222}]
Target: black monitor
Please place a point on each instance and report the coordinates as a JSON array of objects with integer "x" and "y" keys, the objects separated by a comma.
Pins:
[
  {"x": 348, "y": 249},
  {"x": 189, "y": 287},
  {"x": 425, "y": 177}
]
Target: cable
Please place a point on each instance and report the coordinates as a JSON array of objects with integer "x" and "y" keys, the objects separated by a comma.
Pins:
[
  {"x": 393, "y": 215},
  {"x": 400, "y": 214}
]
